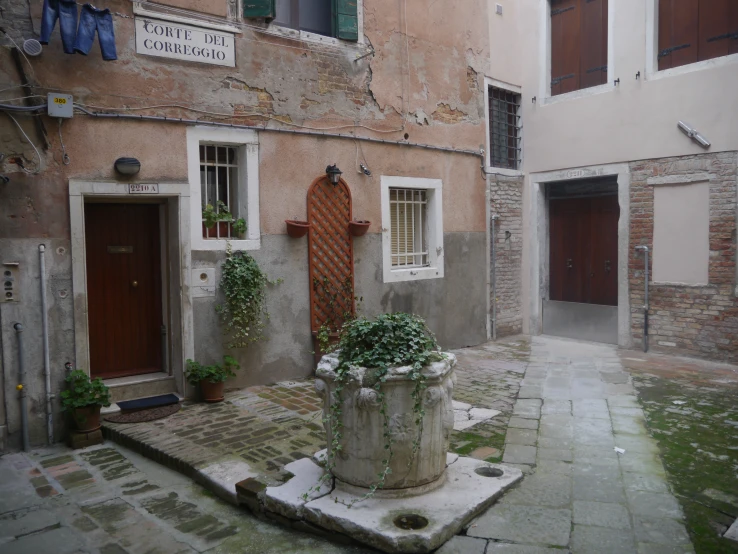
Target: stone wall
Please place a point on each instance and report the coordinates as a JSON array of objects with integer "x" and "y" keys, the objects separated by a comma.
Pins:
[
  {"x": 506, "y": 200},
  {"x": 693, "y": 320}
]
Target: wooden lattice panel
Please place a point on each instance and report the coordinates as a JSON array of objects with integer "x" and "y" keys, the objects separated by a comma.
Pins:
[{"x": 330, "y": 253}]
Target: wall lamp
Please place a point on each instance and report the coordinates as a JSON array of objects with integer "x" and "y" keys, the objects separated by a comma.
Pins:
[
  {"x": 693, "y": 134},
  {"x": 334, "y": 174},
  {"x": 127, "y": 166}
]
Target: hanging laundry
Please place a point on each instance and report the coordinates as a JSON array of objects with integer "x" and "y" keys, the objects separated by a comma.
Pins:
[
  {"x": 91, "y": 20},
  {"x": 66, "y": 12}
]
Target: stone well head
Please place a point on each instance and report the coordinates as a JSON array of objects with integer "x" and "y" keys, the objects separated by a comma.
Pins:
[{"x": 363, "y": 443}]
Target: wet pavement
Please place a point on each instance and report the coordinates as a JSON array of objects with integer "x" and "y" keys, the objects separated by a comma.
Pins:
[{"x": 564, "y": 407}]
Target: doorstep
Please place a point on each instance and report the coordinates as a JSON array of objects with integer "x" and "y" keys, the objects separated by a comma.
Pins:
[{"x": 139, "y": 386}]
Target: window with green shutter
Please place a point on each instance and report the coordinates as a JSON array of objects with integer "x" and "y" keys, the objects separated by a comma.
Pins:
[{"x": 333, "y": 18}]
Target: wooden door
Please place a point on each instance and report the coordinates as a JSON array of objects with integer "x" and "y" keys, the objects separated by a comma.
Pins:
[
  {"x": 603, "y": 268},
  {"x": 124, "y": 309},
  {"x": 583, "y": 246}
]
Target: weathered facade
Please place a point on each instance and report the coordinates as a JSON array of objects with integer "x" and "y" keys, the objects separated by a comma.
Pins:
[{"x": 413, "y": 77}]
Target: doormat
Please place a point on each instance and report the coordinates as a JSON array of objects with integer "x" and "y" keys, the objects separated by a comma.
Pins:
[
  {"x": 149, "y": 402},
  {"x": 145, "y": 415}
]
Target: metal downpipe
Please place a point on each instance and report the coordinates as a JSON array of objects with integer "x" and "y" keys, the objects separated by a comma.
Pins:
[
  {"x": 47, "y": 365},
  {"x": 645, "y": 304},
  {"x": 493, "y": 257},
  {"x": 20, "y": 387}
]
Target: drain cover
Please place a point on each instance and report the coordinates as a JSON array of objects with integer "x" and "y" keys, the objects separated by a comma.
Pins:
[
  {"x": 410, "y": 522},
  {"x": 488, "y": 471}
]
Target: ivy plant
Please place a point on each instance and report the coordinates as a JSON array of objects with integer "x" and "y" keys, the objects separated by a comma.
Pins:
[
  {"x": 82, "y": 391},
  {"x": 390, "y": 340},
  {"x": 244, "y": 309},
  {"x": 338, "y": 301}
]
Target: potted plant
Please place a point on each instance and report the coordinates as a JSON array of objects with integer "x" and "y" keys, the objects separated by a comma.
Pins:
[
  {"x": 296, "y": 228},
  {"x": 228, "y": 226},
  {"x": 359, "y": 227},
  {"x": 83, "y": 398},
  {"x": 211, "y": 378}
]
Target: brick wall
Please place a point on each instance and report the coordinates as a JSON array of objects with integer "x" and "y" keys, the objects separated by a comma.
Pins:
[
  {"x": 506, "y": 200},
  {"x": 694, "y": 320}
]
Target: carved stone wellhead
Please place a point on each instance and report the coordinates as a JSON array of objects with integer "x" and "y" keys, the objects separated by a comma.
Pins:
[{"x": 360, "y": 460}]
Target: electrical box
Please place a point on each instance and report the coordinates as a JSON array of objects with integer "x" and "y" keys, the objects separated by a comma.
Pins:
[
  {"x": 10, "y": 282},
  {"x": 60, "y": 105},
  {"x": 498, "y": 9}
]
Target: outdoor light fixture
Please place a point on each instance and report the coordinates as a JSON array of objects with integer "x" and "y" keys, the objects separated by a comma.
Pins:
[
  {"x": 127, "y": 166},
  {"x": 693, "y": 134},
  {"x": 334, "y": 174}
]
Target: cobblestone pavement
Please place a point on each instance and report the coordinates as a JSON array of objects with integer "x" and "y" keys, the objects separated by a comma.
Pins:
[
  {"x": 267, "y": 427},
  {"x": 575, "y": 405},
  {"x": 108, "y": 500}
]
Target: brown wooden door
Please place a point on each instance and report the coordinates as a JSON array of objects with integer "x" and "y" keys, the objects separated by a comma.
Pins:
[
  {"x": 123, "y": 289},
  {"x": 583, "y": 246}
]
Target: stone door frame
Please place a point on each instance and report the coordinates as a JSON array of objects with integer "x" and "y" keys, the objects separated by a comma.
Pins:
[
  {"x": 176, "y": 197},
  {"x": 538, "y": 227}
]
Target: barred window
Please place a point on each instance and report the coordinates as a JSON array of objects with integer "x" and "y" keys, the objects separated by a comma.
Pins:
[
  {"x": 219, "y": 189},
  {"x": 408, "y": 227},
  {"x": 504, "y": 128}
]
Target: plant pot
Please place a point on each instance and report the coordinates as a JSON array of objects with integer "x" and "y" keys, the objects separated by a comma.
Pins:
[
  {"x": 87, "y": 418},
  {"x": 359, "y": 228},
  {"x": 333, "y": 338},
  {"x": 360, "y": 459},
  {"x": 212, "y": 392},
  {"x": 297, "y": 229},
  {"x": 212, "y": 232}
]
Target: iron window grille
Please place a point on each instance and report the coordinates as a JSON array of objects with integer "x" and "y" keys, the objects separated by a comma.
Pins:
[
  {"x": 504, "y": 128},
  {"x": 219, "y": 183},
  {"x": 409, "y": 227}
]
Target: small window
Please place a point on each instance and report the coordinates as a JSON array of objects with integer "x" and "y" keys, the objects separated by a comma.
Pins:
[
  {"x": 412, "y": 228},
  {"x": 408, "y": 222},
  {"x": 578, "y": 44},
  {"x": 504, "y": 128},
  {"x": 696, "y": 30},
  {"x": 333, "y": 18},
  {"x": 219, "y": 184}
]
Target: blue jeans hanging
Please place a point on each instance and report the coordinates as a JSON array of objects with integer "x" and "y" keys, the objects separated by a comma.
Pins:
[
  {"x": 66, "y": 12},
  {"x": 91, "y": 20}
]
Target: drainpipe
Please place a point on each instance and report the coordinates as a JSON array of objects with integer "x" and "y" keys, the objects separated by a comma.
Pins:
[
  {"x": 47, "y": 368},
  {"x": 493, "y": 256},
  {"x": 21, "y": 388},
  {"x": 645, "y": 305}
]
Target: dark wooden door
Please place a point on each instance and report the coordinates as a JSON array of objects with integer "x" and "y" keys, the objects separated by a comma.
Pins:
[
  {"x": 583, "y": 246},
  {"x": 124, "y": 308}
]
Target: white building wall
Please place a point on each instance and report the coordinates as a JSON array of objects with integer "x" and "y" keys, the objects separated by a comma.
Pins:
[{"x": 634, "y": 120}]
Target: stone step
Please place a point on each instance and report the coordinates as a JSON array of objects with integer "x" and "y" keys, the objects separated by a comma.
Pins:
[{"x": 140, "y": 386}]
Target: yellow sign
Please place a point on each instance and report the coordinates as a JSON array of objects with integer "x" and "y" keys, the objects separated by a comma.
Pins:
[{"x": 59, "y": 100}]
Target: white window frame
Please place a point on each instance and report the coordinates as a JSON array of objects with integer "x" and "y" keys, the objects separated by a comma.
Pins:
[
  {"x": 544, "y": 59},
  {"x": 434, "y": 212},
  {"x": 652, "y": 51},
  {"x": 490, "y": 82},
  {"x": 246, "y": 142}
]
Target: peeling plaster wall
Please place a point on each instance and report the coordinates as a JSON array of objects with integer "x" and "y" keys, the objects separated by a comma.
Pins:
[{"x": 423, "y": 84}]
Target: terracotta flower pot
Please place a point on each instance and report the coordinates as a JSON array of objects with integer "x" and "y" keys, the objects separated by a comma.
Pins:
[
  {"x": 297, "y": 229},
  {"x": 87, "y": 418},
  {"x": 359, "y": 228},
  {"x": 212, "y": 232},
  {"x": 212, "y": 392}
]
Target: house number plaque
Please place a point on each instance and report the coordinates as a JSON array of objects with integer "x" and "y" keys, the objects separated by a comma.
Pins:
[{"x": 143, "y": 188}]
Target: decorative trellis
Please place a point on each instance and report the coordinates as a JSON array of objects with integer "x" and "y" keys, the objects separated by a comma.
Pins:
[{"x": 330, "y": 254}]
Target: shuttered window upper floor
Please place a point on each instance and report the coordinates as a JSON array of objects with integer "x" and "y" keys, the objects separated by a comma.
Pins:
[
  {"x": 691, "y": 31},
  {"x": 333, "y": 18},
  {"x": 578, "y": 44}
]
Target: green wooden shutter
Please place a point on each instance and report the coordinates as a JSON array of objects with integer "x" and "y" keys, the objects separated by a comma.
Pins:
[
  {"x": 259, "y": 8},
  {"x": 346, "y": 19}
]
